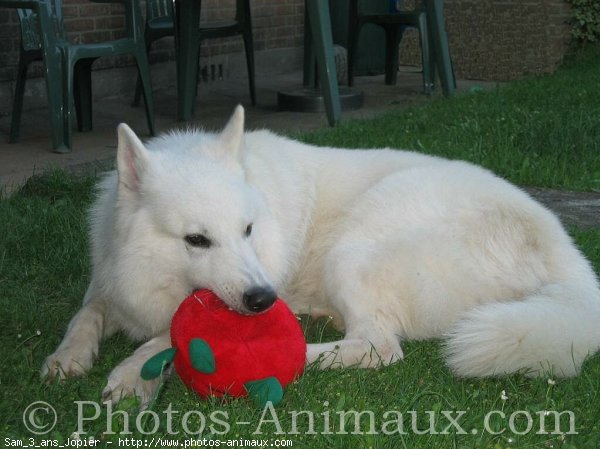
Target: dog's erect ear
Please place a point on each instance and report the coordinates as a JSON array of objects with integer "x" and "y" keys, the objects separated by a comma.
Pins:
[
  {"x": 232, "y": 136},
  {"x": 132, "y": 158}
]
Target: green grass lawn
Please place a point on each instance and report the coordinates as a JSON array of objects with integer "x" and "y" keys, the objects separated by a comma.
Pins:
[{"x": 542, "y": 131}]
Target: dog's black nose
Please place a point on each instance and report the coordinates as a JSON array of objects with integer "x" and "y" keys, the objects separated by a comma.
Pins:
[{"x": 259, "y": 299}]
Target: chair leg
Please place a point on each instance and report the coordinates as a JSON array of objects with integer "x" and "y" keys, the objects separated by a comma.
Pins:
[
  {"x": 198, "y": 76},
  {"x": 83, "y": 94},
  {"x": 138, "y": 92},
  {"x": 354, "y": 27},
  {"x": 320, "y": 28},
  {"x": 309, "y": 71},
  {"x": 15, "y": 122},
  {"x": 426, "y": 59},
  {"x": 148, "y": 38},
  {"x": 392, "y": 42},
  {"x": 249, "y": 47},
  {"x": 68, "y": 68},
  {"x": 144, "y": 73},
  {"x": 55, "y": 58},
  {"x": 438, "y": 39},
  {"x": 353, "y": 35}
]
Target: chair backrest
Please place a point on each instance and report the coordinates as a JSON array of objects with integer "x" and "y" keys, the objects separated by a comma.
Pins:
[
  {"x": 30, "y": 37},
  {"x": 159, "y": 8}
]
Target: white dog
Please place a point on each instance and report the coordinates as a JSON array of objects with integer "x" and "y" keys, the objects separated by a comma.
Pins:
[{"x": 394, "y": 245}]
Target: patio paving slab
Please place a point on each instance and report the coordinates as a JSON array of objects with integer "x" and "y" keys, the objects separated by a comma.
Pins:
[
  {"x": 33, "y": 154},
  {"x": 581, "y": 209}
]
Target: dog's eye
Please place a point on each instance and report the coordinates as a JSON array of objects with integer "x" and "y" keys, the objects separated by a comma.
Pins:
[
  {"x": 198, "y": 240},
  {"x": 248, "y": 230}
]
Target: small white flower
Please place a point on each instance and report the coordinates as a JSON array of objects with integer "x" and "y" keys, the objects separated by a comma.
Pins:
[
  {"x": 19, "y": 335},
  {"x": 38, "y": 332},
  {"x": 503, "y": 395},
  {"x": 510, "y": 441},
  {"x": 551, "y": 382},
  {"x": 75, "y": 436}
]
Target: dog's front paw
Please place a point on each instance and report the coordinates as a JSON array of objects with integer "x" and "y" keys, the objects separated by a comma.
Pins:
[
  {"x": 125, "y": 381},
  {"x": 67, "y": 362}
]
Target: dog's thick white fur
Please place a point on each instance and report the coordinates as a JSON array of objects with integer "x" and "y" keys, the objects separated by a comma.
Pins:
[{"x": 394, "y": 245}]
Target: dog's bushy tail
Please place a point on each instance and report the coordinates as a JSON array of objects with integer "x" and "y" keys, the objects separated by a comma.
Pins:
[{"x": 550, "y": 332}]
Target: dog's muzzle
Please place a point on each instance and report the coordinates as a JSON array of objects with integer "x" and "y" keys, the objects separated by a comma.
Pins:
[{"x": 259, "y": 299}]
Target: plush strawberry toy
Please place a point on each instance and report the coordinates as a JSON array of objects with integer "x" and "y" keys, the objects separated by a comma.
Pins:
[{"x": 218, "y": 351}]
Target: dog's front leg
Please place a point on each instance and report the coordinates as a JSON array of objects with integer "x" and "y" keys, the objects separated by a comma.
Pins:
[
  {"x": 125, "y": 379},
  {"x": 76, "y": 353}
]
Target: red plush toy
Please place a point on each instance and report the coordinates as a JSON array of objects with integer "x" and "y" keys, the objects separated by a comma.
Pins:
[{"x": 218, "y": 351}]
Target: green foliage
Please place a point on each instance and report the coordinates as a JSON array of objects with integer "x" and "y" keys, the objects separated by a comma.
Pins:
[{"x": 586, "y": 20}]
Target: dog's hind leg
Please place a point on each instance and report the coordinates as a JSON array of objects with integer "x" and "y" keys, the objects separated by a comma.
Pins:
[
  {"x": 125, "y": 379},
  {"x": 76, "y": 353},
  {"x": 361, "y": 352},
  {"x": 353, "y": 284}
]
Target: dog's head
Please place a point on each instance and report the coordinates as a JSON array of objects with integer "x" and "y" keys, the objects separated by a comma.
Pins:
[{"x": 192, "y": 204}]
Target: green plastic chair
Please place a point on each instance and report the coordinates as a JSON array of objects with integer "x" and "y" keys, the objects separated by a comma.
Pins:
[
  {"x": 393, "y": 22},
  {"x": 71, "y": 64},
  {"x": 35, "y": 16},
  {"x": 160, "y": 23}
]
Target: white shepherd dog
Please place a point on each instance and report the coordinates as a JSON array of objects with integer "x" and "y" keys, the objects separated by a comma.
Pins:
[{"x": 394, "y": 245}]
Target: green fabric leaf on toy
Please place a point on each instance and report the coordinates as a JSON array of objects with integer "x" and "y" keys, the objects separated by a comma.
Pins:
[
  {"x": 264, "y": 390},
  {"x": 201, "y": 356},
  {"x": 156, "y": 364}
]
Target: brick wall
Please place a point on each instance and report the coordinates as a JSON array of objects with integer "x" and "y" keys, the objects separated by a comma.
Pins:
[
  {"x": 9, "y": 43},
  {"x": 502, "y": 39},
  {"x": 277, "y": 24}
]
